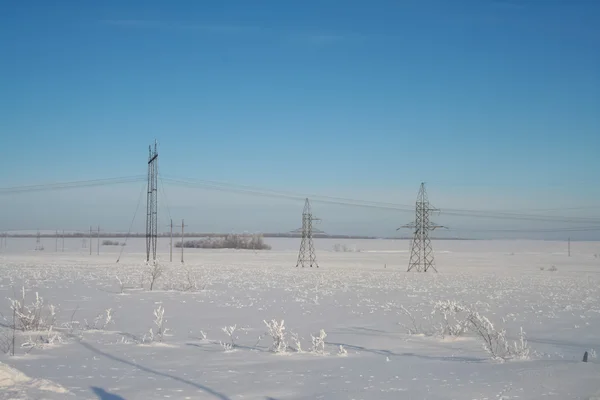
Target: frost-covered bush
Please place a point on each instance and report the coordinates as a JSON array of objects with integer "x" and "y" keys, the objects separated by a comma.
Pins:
[
  {"x": 318, "y": 342},
  {"x": 494, "y": 341},
  {"x": 161, "y": 330},
  {"x": 159, "y": 321},
  {"x": 191, "y": 281},
  {"x": 454, "y": 318},
  {"x": 229, "y": 331},
  {"x": 277, "y": 333},
  {"x": 297, "y": 345},
  {"x": 342, "y": 248},
  {"x": 35, "y": 316},
  {"x": 450, "y": 318},
  {"x": 101, "y": 321},
  {"x": 154, "y": 272},
  {"x": 416, "y": 325},
  {"x": 43, "y": 339},
  {"x": 458, "y": 319}
]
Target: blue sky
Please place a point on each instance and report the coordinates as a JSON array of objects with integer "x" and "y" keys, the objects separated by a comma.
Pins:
[{"x": 498, "y": 99}]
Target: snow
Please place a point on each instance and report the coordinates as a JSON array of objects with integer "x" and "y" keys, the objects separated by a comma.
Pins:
[
  {"x": 16, "y": 385},
  {"x": 355, "y": 297}
]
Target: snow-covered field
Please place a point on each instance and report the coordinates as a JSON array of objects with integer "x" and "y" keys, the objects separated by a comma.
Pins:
[{"x": 360, "y": 299}]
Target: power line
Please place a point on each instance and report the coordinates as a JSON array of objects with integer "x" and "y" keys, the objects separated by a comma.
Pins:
[
  {"x": 451, "y": 212},
  {"x": 340, "y": 201},
  {"x": 132, "y": 221},
  {"x": 547, "y": 230},
  {"x": 165, "y": 200},
  {"x": 71, "y": 185}
]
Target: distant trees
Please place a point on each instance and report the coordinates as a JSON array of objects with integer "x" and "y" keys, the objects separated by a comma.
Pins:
[
  {"x": 233, "y": 241},
  {"x": 112, "y": 243}
]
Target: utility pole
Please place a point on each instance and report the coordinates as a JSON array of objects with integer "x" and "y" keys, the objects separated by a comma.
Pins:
[
  {"x": 152, "y": 204},
  {"x": 98, "y": 239},
  {"x": 171, "y": 245},
  {"x": 182, "y": 225},
  {"x": 90, "y": 240},
  {"x": 569, "y": 247},
  {"x": 421, "y": 252},
  {"x": 306, "y": 255},
  {"x": 63, "y": 241}
]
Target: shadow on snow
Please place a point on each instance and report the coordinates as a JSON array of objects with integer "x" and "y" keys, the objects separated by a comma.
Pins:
[
  {"x": 104, "y": 395},
  {"x": 151, "y": 371},
  {"x": 392, "y": 354}
]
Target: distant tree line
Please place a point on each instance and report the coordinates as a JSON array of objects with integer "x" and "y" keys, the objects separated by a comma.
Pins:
[
  {"x": 112, "y": 243},
  {"x": 232, "y": 241}
]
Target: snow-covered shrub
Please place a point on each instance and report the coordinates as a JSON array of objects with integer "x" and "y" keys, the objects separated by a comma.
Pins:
[
  {"x": 454, "y": 322},
  {"x": 416, "y": 326},
  {"x": 101, "y": 321},
  {"x": 191, "y": 281},
  {"x": 33, "y": 317},
  {"x": 318, "y": 342},
  {"x": 155, "y": 271},
  {"x": 342, "y": 351},
  {"x": 124, "y": 283},
  {"x": 277, "y": 333},
  {"x": 229, "y": 331},
  {"x": 296, "y": 342},
  {"x": 458, "y": 319},
  {"x": 344, "y": 249},
  {"x": 226, "y": 346},
  {"x": 43, "y": 339},
  {"x": 159, "y": 322},
  {"x": 495, "y": 342}
]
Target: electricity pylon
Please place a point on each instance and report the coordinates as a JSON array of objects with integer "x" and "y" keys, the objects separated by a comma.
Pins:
[
  {"x": 152, "y": 204},
  {"x": 38, "y": 242},
  {"x": 307, "y": 248},
  {"x": 421, "y": 252}
]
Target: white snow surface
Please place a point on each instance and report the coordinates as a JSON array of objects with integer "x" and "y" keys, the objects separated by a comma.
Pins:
[
  {"x": 16, "y": 385},
  {"x": 355, "y": 297}
]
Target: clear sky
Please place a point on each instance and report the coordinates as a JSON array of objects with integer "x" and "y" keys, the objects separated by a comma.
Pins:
[{"x": 494, "y": 103}]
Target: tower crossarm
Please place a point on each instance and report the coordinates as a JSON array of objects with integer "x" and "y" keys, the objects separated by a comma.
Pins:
[
  {"x": 412, "y": 225},
  {"x": 434, "y": 227}
]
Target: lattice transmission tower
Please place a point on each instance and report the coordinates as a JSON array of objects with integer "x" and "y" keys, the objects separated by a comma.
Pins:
[
  {"x": 152, "y": 203},
  {"x": 421, "y": 252},
  {"x": 38, "y": 242},
  {"x": 307, "y": 248}
]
